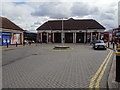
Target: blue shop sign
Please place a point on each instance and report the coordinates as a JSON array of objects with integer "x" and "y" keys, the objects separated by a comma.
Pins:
[{"x": 5, "y": 33}]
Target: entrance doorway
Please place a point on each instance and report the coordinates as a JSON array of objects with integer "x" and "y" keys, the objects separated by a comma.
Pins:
[
  {"x": 57, "y": 37},
  {"x": 80, "y": 37},
  {"x": 68, "y": 37},
  {"x": 44, "y": 37}
]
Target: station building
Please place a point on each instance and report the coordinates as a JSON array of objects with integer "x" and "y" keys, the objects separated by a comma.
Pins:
[
  {"x": 9, "y": 32},
  {"x": 71, "y": 31}
]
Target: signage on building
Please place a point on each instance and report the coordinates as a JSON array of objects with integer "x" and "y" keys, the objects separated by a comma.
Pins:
[
  {"x": 15, "y": 38},
  {"x": 4, "y": 33}
]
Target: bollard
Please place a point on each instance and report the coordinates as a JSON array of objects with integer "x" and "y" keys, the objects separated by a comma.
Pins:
[
  {"x": 113, "y": 45},
  {"x": 16, "y": 44},
  {"x": 36, "y": 44},
  {"x": 118, "y": 65},
  {"x": 108, "y": 45},
  {"x": 23, "y": 43},
  {"x": 7, "y": 45}
]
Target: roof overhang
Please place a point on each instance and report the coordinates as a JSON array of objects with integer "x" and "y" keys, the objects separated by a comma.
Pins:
[{"x": 10, "y": 30}]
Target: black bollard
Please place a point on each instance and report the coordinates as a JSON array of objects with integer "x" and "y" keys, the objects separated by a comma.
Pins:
[
  {"x": 16, "y": 44},
  {"x": 118, "y": 68},
  {"x": 23, "y": 43},
  {"x": 108, "y": 45},
  {"x": 7, "y": 45},
  {"x": 113, "y": 45}
]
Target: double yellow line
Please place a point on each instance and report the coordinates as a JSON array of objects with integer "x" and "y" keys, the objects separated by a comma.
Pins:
[{"x": 95, "y": 80}]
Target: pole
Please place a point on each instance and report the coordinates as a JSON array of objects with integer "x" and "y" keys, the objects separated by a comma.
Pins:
[
  {"x": 108, "y": 44},
  {"x": 86, "y": 36},
  {"x": 62, "y": 33}
]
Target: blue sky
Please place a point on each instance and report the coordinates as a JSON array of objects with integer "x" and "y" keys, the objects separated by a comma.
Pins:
[
  {"x": 30, "y": 15},
  {"x": 19, "y": 2}
]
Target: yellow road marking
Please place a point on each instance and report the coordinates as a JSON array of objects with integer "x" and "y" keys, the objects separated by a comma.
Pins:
[
  {"x": 97, "y": 73},
  {"x": 97, "y": 85}
]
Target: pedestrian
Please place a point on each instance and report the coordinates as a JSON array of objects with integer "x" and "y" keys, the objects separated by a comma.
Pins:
[
  {"x": 79, "y": 40},
  {"x": 25, "y": 41},
  {"x": 29, "y": 42}
]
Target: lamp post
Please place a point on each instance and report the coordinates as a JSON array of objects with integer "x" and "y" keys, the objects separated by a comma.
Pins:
[
  {"x": 61, "y": 47},
  {"x": 86, "y": 35},
  {"x": 62, "y": 32}
]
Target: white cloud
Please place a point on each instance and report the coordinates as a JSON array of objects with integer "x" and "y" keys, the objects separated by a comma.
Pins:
[{"x": 30, "y": 15}]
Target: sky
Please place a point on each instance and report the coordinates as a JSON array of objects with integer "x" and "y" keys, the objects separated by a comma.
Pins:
[{"x": 30, "y": 14}]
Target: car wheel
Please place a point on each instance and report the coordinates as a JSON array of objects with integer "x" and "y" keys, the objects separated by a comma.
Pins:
[
  {"x": 105, "y": 49},
  {"x": 94, "y": 48}
]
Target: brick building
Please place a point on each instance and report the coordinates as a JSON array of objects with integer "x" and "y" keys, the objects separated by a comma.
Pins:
[
  {"x": 71, "y": 31},
  {"x": 10, "y": 32}
]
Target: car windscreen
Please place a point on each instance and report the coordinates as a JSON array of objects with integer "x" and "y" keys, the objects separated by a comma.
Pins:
[{"x": 99, "y": 41}]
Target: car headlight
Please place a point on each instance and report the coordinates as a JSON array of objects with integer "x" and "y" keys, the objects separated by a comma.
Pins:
[{"x": 96, "y": 45}]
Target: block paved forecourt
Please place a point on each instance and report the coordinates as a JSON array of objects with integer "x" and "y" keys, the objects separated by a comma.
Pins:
[{"x": 41, "y": 67}]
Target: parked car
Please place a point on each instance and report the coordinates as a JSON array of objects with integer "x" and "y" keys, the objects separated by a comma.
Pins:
[{"x": 99, "y": 44}]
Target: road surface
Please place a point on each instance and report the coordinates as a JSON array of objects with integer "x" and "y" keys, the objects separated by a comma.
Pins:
[{"x": 42, "y": 67}]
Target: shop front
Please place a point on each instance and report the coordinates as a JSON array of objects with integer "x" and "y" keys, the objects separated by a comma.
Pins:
[
  {"x": 10, "y": 38},
  {"x": 10, "y": 33},
  {"x": 6, "y": 38}
]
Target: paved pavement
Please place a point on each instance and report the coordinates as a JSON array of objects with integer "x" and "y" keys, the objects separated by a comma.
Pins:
[
  {"x": 0, "y": 69},
  {"x": 42, "y": 67},
  {"x": 112, "y": 83}
]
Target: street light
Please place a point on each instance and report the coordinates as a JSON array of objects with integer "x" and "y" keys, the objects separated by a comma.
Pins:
[
  {"x": 86, "y": 35},
  {"x": 62, "y": 39},
  {"x": 62, "y": 33}
]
